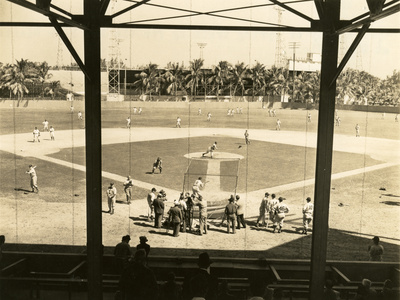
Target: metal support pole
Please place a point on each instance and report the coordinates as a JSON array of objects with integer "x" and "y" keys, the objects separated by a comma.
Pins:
[
  {"x": 330, "y": 48},
  {"x": 93, "y": 150}
]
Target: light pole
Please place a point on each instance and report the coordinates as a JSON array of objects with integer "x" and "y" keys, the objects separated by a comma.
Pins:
[
  {"x": 294, "y": 46},
  {"x": 125, "y": 80}
]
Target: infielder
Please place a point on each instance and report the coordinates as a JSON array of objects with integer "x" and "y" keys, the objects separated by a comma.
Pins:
[
  {"x": 278, "y": 124},
  {"x": 157, "y": 165},
  {"x": 357, "y": 130},
  {"x": 308, "y": 210},
  {"x": 128, "y": 189},
  {"x": 178, "y": 122},
  {"x": 128, "y": 122},
  {"x": 111, "y": 197},
  {"x": 80, "y": 115},
  {"x": 211, "y": 149},
  {"x": 36, "y": 135},
  {"x": 51, "y": 130},
  {"x": 246, "y": 137},
  {"x": 209, "y": 117},
  {"x": 33, "y": 175}
]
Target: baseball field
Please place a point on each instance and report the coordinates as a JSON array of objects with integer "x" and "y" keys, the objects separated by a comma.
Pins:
[{"x": 365, "y": 190}]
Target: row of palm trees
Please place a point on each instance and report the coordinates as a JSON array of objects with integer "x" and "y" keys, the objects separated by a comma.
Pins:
[
  {"x": 223, "y": 79},
  {"x": 23, "y": 76},
  {"x": 239, "y": 80}
]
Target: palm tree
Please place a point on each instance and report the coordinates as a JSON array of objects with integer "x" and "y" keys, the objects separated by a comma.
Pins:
[
  {"x": 193, "y": 78},
  {"x": 148, "y": 80},
  {"x": 174, "y": 78},
  {"x": 257, "y": 75},
  {"x": 237, "y": 78},
  {"x": 219, "y": 77},
  {"x": 279, "y": 77},
  {"x": 16, "y": 76},
  {"x": 345, "y": 85},
  {"x": 42, "y": 72}
]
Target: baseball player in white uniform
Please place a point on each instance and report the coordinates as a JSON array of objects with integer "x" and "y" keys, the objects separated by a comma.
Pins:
[
  {"x": 111, "y": 197},
  {"x": 211, "y": 149},
  {"x": 51, "y": 130},
  {"x": 33, "y": 175},
  {"x": 308, "y": 211},
  {"x": 280, "y": 210},
  {"x": 36, "y": 135},
  {"x": 197, "y": 185},
  {"x": 178, "y": 122},
  {"x": 45, "y": 125}
]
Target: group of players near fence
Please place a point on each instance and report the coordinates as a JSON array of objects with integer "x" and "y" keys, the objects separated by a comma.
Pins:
[{"x": 181, "y": 214}]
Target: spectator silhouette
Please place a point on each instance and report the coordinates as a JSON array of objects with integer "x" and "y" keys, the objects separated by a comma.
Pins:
[
  {"x": 143, "y": 245},
  {"x": 170, "y": 290},
  {"x": 387, "y": 292},
  {"x": 259, "y": 290},
  {"x": 2, "y": 242},
  {"x": 191, "y": 284},
  {"x": 376, "y": 250},
  {"x": 138, "y": 281},
  {"x": 122, "y": 254},
  {"x": 224, "y": 293},
  {"x": 364, "y": 291},
  {"x": 330, "y": 293}
]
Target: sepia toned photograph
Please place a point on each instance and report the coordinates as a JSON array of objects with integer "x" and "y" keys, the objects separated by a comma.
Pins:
[{"x": 226, "y": 149}]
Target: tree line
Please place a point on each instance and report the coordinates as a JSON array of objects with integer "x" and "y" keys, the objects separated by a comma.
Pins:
[{"x": 224, "y": 79}]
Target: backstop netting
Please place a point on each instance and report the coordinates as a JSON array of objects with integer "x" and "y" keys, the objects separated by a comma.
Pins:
[{"x": 220, "y": 178}]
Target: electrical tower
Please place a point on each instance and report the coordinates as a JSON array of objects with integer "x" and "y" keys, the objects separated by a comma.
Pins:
[
  {"x": 114, "y": 63},
  {"x": 279, "y": 51},
  {"x": 60, "y": 56},
  {"x": 201, "y": 46}
]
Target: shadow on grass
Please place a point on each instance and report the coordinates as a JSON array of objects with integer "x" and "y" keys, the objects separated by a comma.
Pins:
[
  {"x": 169, "y": 233},
  {"x": 393, "y": 203},
  {"x": 22, "y": 190},
  {"x": 390, "y": 195}
]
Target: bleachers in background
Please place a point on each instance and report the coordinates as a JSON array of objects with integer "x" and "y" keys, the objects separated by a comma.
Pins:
[{"x": 39, "y": 273}]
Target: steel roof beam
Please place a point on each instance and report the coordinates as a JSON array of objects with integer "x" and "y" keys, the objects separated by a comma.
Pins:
[
  {"x": 33, "y": 7},
  {"x": 385, "y": 13},
  {"x": 103, "y": 7},
  {"x": 350, "y": 52},
  {"x": 320, "y": 8},
  {"x": 292, "y": 10},
  {"x": 367, "y": 14},
  {"x": 129, "y": 8},
  {"x": 70, "y": 47}
]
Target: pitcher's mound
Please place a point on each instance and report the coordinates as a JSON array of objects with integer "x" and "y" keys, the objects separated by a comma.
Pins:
[{"x": 216, "y": 155}]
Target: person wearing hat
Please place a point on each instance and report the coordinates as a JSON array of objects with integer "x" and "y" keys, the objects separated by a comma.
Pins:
[
  {"x": 376, "y": 250},
  {"x": 183, "y": 207},
  {"x": 240, "y": 213},
  {"x": 263, "y": 207},
  {"x": 231, "y": 214},
  {"x": 111, "y": 197},
  {"x": 158, "y": 205},
  {"x": 209, "y": 282},
  {"x": 308, "y": 211},
  {"x": 202, "y": 203},
  {"x": 281, "y": 209},
  {"x": 270, "y": 208},
  {"x": 157, "y": 165},
  {"x": 197, "y": 185},
  {"x": 175, "y": 218},
  {"x": 138, "y": 281},
  {"x": 143, "y": 245},
  {"x": 122, "y": 253},
  {"x": 150, "y": 199},
  {"x": 128, "y": 184}
]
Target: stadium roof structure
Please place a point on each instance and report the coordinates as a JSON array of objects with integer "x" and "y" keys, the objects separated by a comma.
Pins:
[{"x": 333, "y": 19}]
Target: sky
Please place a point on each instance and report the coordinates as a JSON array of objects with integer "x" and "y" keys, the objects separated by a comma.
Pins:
[{"x": 378, "y": 54}]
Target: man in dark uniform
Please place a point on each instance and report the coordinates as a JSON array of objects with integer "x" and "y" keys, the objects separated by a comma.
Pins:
[
  {"x": 175, "y": 218},
  {"x": 157, "y": 165},
  {"x": 158, "y": 210},
  {"x": 189, "y": 210},
  {"x": 230, "y": 212}
]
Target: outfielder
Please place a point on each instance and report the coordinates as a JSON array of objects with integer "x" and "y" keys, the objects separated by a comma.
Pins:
[
  {"x": 308, "y": 210},
  {"x": 45, "y": 125}
]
